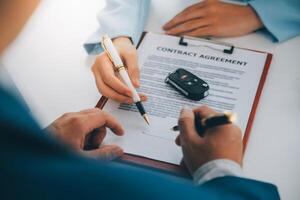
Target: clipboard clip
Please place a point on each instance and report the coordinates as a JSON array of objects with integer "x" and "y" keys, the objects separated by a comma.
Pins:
[{"x": 228, "y": 50}]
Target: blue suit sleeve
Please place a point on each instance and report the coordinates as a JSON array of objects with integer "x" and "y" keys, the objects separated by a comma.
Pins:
[
  {"x": 36, "y": 166},
  {"x": 280, "y": 18},
  {"x": 241, "y": 188},
  {"x": 119, "y": 18}
]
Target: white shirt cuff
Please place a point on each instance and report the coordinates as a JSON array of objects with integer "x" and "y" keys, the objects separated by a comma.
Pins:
[{"x": 215, "y": 169}]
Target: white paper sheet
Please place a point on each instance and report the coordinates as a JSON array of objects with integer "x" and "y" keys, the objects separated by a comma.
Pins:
[{"x": 233, "y": 81}]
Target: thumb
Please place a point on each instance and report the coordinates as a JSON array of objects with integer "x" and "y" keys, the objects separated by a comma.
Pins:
[
  {"x": 105, "y": 153},
  {"x": 186, "y": 123}
]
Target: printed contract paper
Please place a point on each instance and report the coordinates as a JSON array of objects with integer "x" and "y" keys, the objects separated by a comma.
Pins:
[{"x": 233, "y": 80}]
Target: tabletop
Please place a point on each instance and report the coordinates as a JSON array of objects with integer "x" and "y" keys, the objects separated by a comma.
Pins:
[{"x": 52, "y": 71}]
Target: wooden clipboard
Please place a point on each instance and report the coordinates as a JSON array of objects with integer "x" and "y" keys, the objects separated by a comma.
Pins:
[{"x": 177, "y": 169}]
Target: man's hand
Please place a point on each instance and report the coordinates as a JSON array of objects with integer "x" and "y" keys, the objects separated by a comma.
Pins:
[
  {"x": 221, "y": 142},
  {"x": 72, "y": 129},
  {"x": 214, "y": 18},
  {"x": 107, "y": 81}
]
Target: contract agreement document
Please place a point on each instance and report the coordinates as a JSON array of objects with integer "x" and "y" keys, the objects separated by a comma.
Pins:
[{"x": 234, "y": 80}]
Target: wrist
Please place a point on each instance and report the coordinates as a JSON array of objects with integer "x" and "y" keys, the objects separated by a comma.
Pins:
[
  {"x": 215, "y": 169},
  {"x": 253, "y": 19},
  {"x": 123, "y": 39}
]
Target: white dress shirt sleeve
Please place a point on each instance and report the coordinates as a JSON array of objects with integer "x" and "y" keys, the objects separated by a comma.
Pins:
[
  {"x": 215, "y": 169},
  {"x": 119, "y": 18}
]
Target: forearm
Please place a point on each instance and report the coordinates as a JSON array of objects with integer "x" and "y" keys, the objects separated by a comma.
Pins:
[
  {"x": 280, "y": 18},
  {"x": 223, "y": 177},
  {"x": 119, "y": 18}
]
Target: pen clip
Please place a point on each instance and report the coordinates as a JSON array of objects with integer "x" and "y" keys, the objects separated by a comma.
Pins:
[
  {"x": 106, "y": 50},
  {"x": 116, "y": 66}
]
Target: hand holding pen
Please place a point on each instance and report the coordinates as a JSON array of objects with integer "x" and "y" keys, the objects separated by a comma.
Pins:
[
  {"x": 107, "y": 82},
  {"x": 211, "y": 121},
  {"x": 115, "y": 58},
  {"x": 217, "y": 142}
]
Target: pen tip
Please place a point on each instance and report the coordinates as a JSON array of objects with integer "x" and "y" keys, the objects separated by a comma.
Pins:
[
  {"x": 175, "y": 128},
  {"x": 146, "y": 118}
]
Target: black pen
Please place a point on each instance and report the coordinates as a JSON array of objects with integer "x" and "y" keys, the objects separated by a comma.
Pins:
[{"x": 202, "y": 124}]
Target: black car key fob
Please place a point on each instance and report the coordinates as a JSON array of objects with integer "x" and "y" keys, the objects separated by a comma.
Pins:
[{"x": 188, "y": 84}]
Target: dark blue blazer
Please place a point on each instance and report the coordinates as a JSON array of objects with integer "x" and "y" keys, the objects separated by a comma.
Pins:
[{"x": 33, "y": 165}]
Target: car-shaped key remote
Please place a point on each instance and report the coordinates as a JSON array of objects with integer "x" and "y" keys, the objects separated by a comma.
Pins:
[{"x": 188, "y": 84}]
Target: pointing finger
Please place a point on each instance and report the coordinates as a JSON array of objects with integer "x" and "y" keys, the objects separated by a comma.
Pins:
[
  {"x": 186, "y": 124},
  {"x": 101, "y": 119},
  {"x": 111, "y": 93},
  {"x": 113, "y": 125}
]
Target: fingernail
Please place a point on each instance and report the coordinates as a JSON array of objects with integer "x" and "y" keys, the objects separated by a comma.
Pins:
[
  {"x": 144, "y": 98},
  {"x": 129, "y": 101},
  {"x": 137, "y": 83},
  {"x": 165, "y": 27},
  {"x": 129, "y": 94},
  {"x": 118, "y": 132},
  {"x": 185, "y": 107},
  {"x": 185, "y": 111},
  {"x": 119, "y": 152},
  {"x": 116, "y": 153},
  {"x": 122, "y": 132}
]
